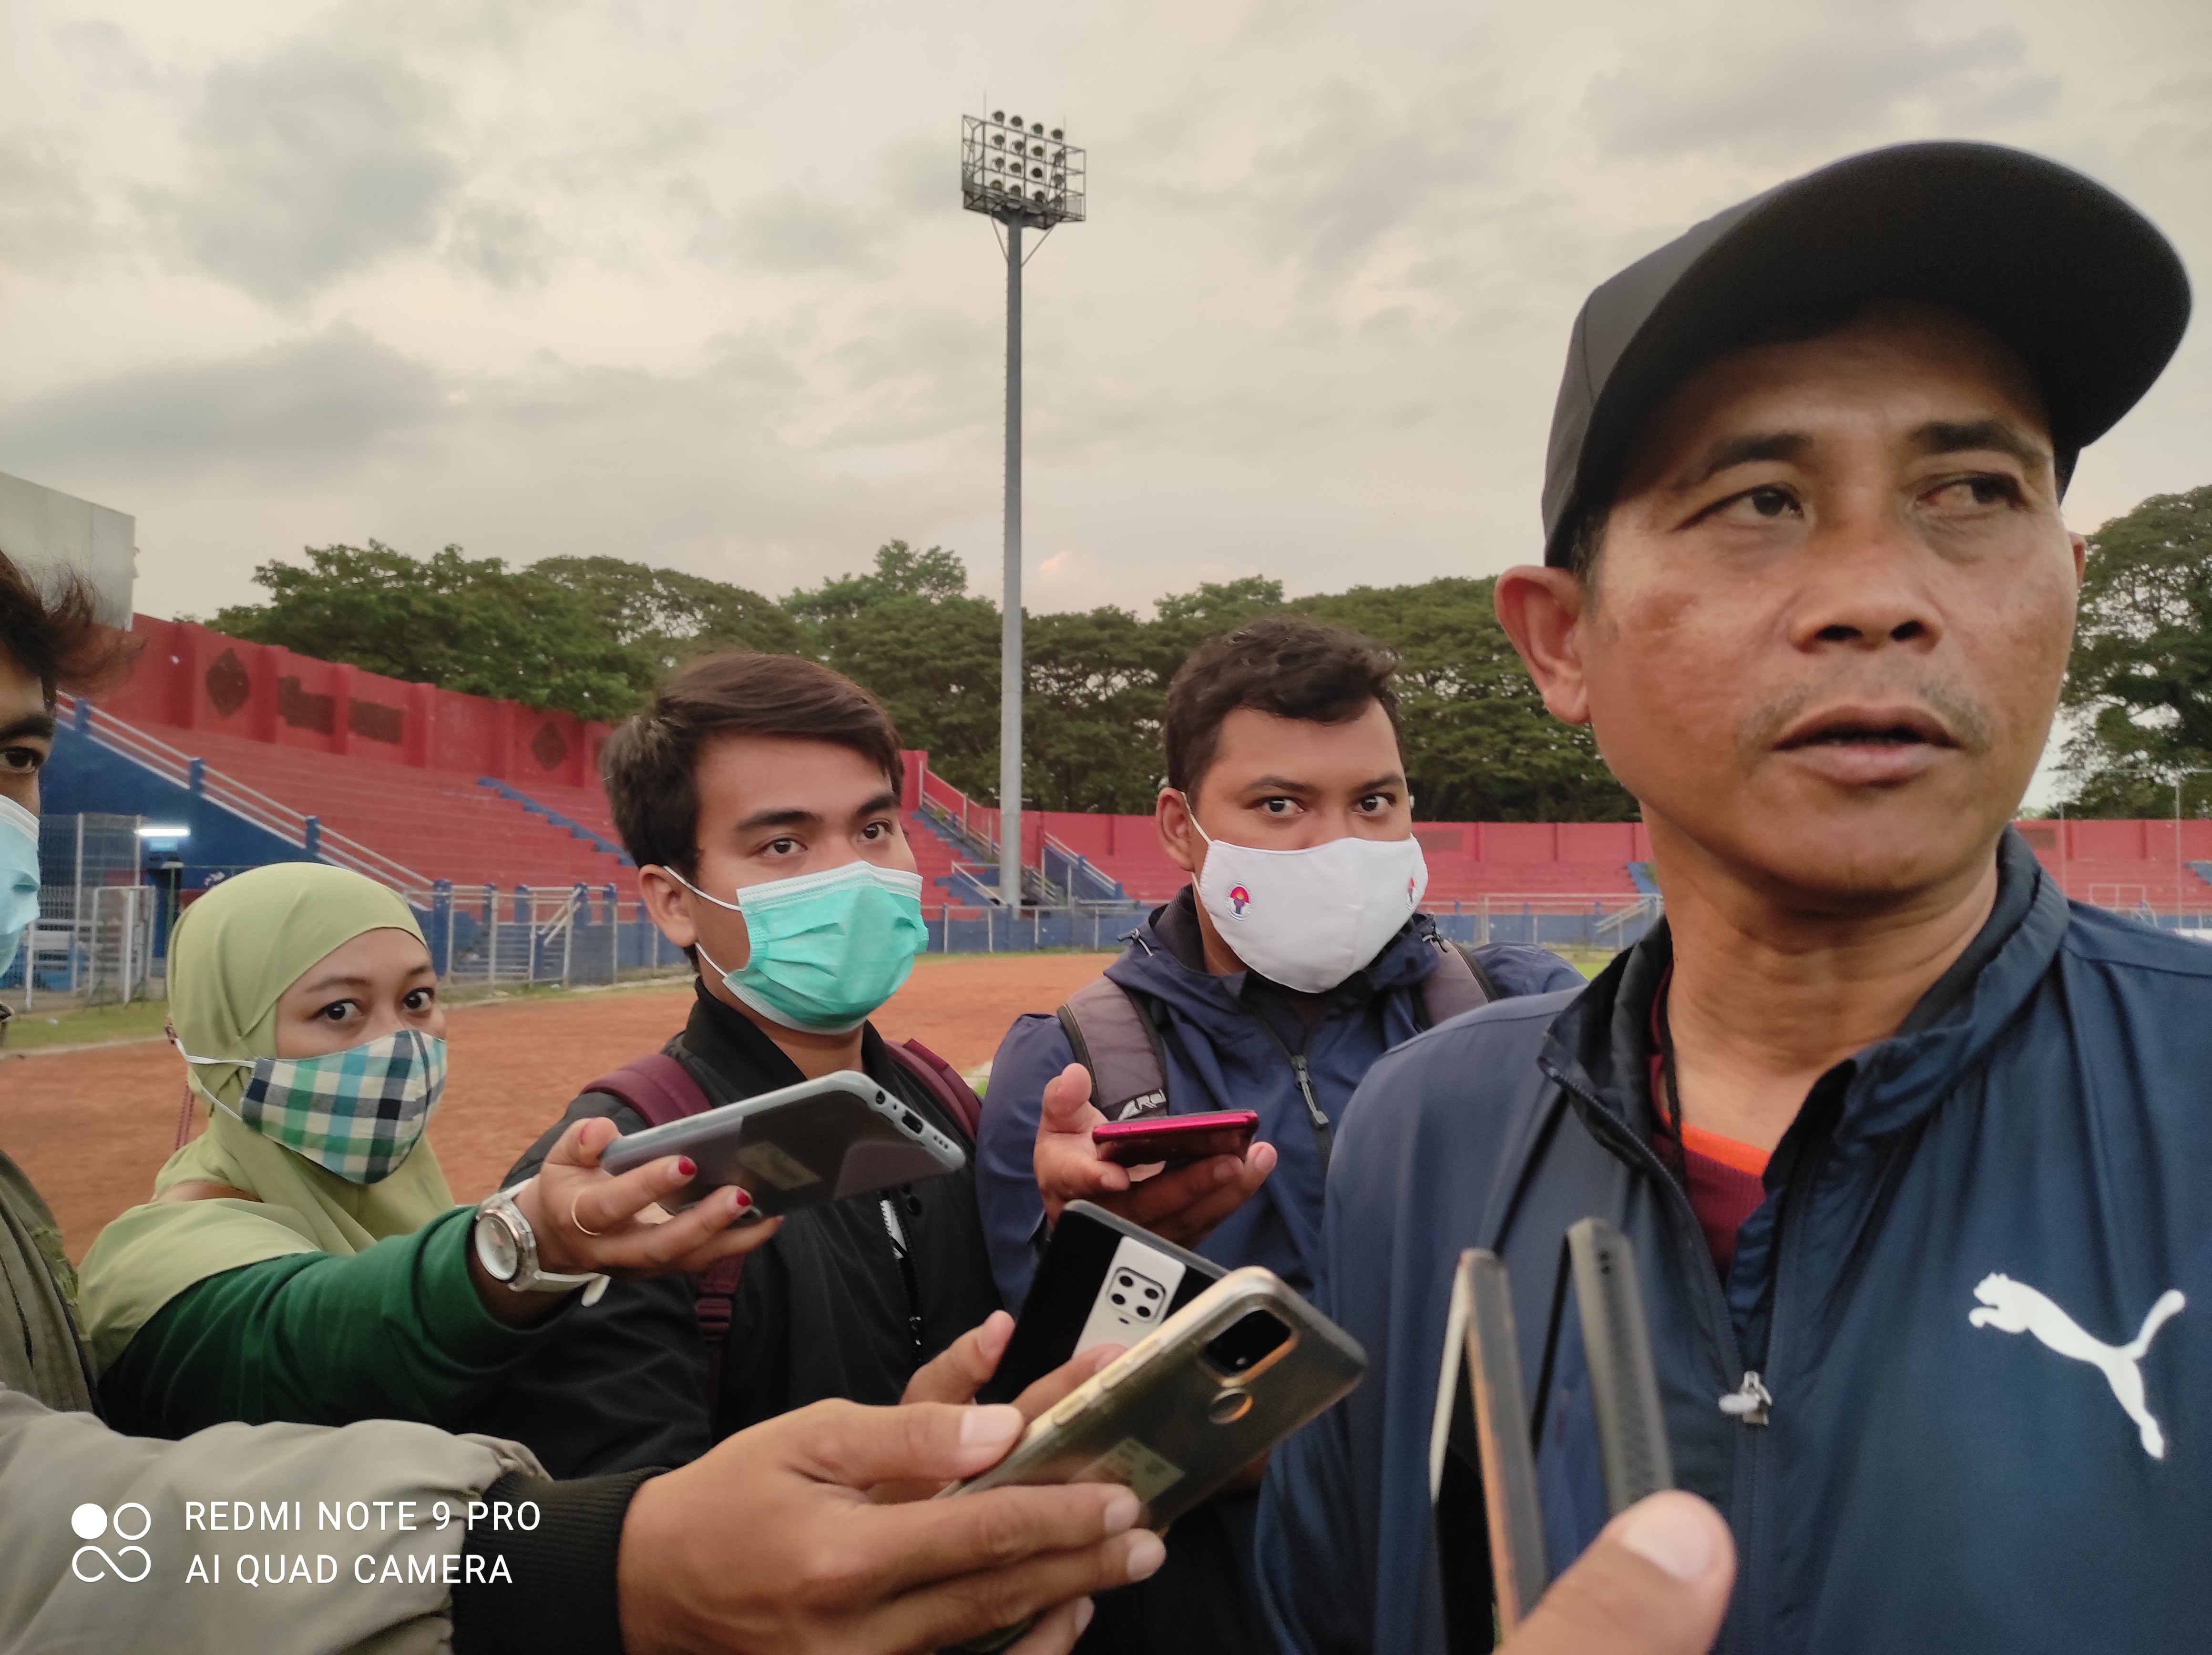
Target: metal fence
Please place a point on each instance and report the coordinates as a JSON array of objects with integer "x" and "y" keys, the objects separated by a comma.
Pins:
[
  {"x": 1553, "y": 919},
  {"x": 577, "y": 935},
  {"x": 94, "y": 935}
]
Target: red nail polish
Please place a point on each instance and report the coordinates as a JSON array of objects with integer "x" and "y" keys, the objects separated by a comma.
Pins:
[
  {"x": 744, "y": 1200},
  {"x": 686, "y": 1166}
]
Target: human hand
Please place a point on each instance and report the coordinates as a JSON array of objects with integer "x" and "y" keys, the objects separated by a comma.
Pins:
[
  {"x": 770, "y": 1544},
  {"x": 586, "y": 1218},
  {"x": 1654, "y": 1582},
  {"x": 1181, "y": 1206},
  {"x": 956, "y": 1372}
]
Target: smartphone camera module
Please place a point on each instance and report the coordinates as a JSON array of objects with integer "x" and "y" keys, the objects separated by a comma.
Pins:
[
  {"x": 1247, "y": 1344},
  {"x": 1137, "y": 1298}
]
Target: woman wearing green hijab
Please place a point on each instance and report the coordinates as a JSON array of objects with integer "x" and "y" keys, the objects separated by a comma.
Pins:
[{"x": 303, "y": 1258}]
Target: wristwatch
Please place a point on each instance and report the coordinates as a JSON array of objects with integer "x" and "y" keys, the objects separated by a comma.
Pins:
[{"x": 506, "y": 1247}]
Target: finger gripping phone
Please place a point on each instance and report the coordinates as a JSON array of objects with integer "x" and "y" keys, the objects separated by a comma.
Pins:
[
  {"x": 1175, "y": 1139},
  {"x": 800, "y": 1146},
  {"x": 1177, "y": 1415},
  {"x": 1102, "y": 1280}
]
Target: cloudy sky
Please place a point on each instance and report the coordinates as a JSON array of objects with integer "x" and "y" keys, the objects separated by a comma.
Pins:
[{"x": 689, "y": 284}]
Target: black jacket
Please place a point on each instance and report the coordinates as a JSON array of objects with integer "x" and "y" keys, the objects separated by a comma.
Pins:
[
  {"x": 2029, "y": 1155},
  {"x": 823, "y": 1310}
]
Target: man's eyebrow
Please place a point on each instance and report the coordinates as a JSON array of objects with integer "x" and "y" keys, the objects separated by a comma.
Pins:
[
  {"x": 1961, "y": 437},
  {"x": 886, "y": 800},
  {"x": 1743, "y": 450},
  {"x": 1286, "y": 785},
  {"x": 31, "y": 724},
  {"x": 760, "y": 819}
]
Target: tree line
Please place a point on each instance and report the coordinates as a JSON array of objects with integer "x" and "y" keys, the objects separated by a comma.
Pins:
[{"x": 593, "y": 635}]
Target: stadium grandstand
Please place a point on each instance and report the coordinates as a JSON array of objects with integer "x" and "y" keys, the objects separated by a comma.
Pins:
[{"x": 490, "y": 817}]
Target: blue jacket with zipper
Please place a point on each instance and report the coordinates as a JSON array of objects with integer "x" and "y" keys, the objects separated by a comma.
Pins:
[
  {"x": 2029, "y": 1154},
  {"x": 1230, "y": 1042}
]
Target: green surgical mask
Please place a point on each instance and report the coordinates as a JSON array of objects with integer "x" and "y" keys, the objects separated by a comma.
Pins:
[{"x": 828, "y": 949}]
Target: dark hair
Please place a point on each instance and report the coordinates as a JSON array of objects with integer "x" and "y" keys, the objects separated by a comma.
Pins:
[
  {"x": 1285, "y": 664},
  {"x": 650, "y": 764},
  {"x": 56, "y": 634}
]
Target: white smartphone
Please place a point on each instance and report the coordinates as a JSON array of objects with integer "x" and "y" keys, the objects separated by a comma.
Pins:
[{"x": 819, "y": 1140}]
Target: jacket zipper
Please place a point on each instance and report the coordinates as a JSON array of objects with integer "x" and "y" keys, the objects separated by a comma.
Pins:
[
  {"x": 905, "y": 1256},
  {"x": 1745, "y": 1479},
  {"x": 1304, "y": 1078},
  {"x": 1756, "y": 1577}
]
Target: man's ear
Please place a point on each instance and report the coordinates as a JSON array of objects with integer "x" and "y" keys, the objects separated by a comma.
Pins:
[
  {"x": 667, "y": 904},
  {"x": 1178, "y": 832},
  {"x": 1541, "y": 610}
]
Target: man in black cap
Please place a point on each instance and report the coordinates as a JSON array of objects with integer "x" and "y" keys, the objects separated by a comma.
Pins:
[{"x": 1915, "y": 1156}]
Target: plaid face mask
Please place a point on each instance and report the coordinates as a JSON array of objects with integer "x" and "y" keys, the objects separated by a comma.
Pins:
[{"x": 358, "y": 1112}]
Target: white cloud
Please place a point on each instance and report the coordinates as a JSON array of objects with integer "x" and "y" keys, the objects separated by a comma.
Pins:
[{"x": 691, "y": 284}]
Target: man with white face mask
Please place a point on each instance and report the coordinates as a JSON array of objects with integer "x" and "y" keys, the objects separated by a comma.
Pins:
[{"x": 1294, "y": 960}]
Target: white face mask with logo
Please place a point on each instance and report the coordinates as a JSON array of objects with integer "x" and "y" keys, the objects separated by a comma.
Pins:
[{"x": 1309, "y": 918}]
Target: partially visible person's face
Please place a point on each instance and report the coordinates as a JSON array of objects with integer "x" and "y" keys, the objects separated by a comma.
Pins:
[
  {"x": 1825, "y": 636},
  {"x": 27, "y": 733},
  {"x": 774, "y": 807},
  {"x": 1290, "y": 784},
  {"x": 362, "y": 991}
]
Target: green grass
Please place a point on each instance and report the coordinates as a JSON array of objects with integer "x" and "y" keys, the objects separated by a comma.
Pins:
[
  {"x": 1589, "y": 961},
  {"x": 141, "y": 1020}
]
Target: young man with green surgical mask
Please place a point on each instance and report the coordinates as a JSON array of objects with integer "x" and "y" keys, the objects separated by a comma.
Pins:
[{"x": 759, "y": 796}]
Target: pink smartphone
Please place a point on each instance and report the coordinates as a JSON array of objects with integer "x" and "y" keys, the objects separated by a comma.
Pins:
[{"x": 1175, "y": 1139}]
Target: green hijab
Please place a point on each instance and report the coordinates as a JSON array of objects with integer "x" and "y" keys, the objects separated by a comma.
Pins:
[{"x": 232, "y": 954}]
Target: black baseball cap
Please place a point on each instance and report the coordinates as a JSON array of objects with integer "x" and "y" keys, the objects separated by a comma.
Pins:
[{"x": 2081, "y": 287}]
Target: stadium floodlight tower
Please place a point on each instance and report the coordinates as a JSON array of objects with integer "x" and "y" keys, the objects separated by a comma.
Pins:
[{"x": 1020, "y": 176}]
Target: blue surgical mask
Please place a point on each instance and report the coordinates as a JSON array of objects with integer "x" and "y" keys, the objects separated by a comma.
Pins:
[
  {"x": 827, "y": 949},
  {"x": 18, "y": 876}
]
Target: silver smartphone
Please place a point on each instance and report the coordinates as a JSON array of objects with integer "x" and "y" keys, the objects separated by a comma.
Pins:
[
  {"x": 1194, "y": 1402},
  {"x": 819, "y": 1140}
]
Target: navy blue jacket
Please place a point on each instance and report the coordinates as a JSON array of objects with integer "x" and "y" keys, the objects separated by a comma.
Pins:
[
  {"x": 1932, "y": 1479},
  {"x": 1226, "y": 1040}
]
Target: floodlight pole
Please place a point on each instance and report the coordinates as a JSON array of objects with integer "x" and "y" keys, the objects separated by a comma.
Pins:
[
  {"x": 1010, "y": 620},
  {"x": 1015, "y": 175}
]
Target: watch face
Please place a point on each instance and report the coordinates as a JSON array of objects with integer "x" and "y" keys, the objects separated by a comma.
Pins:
[{"x": 495, "y": 1246}]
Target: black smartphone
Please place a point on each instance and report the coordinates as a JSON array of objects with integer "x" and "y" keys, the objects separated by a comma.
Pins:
[
  {"x": 1631, "y": 1431},
  {"x": 1103, "y": 1278}
]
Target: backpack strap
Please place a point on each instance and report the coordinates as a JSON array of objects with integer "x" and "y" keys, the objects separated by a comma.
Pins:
[
  {"x": 942, "y": 1082},
  {"x": 662, "y": 1089},
  {"x": 1458, "y": 984},
  {"x": 656, "y": 1085},
  {"x": 1114, "y": 1038}
]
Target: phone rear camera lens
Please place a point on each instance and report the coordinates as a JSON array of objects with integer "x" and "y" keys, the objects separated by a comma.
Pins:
[
  {"x": 1119, "y": 1300},
  {"x": 1246, "y": 1343},
  {"x": 1152, "y": 1293}
]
